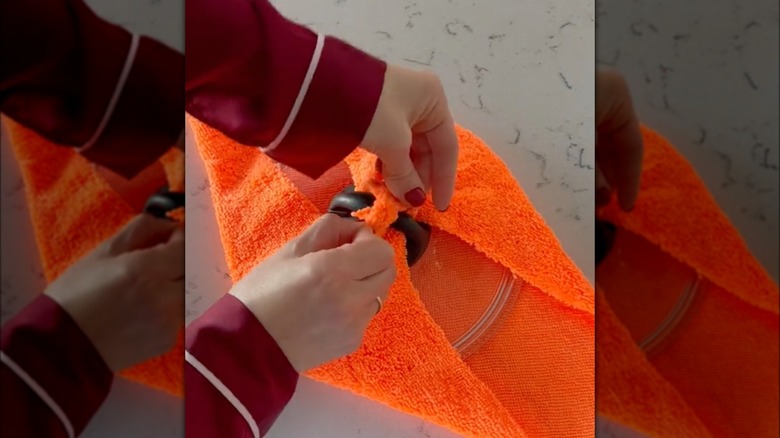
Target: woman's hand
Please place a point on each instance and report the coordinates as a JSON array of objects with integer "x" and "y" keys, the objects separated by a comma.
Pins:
[
  {"x": 126, "y": 295},
  {"x": 413, "y": 135},
  {"x": 317, "y": 295},
  {"x": 618, "y": 141}
]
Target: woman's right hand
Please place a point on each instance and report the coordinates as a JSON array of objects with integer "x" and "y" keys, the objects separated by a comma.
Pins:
[
  {"x": 126, "y": 294},
  {"x": 318, "y": 293}
]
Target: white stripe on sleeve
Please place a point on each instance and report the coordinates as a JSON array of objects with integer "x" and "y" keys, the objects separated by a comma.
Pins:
[
  {"x": 315, "y": 60},
  {"x": 26, "y": 378},
  {"x": 120, "y": 85},
  {"x": 227, "y": 393}
]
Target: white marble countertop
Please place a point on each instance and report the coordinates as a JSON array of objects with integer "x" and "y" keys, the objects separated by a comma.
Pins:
[
  {"x": 704, "y": 74},
  {"x": 518, "y": 74}
]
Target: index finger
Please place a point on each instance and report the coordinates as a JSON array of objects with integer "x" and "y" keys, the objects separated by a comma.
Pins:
[
  {"x": 444, "y": 158},
  {"x": 365, "y": 256},
  {"x": 627, "y": 169},
  {"x": 619, "y": 138}
]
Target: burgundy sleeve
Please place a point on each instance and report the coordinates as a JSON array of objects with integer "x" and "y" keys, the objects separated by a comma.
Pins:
[
  {"x": 60, "y": 66},
  {"x": 43, "y": 346},
  {"x": 245, "y": 68},
  {"x": 237, "y": 378}
]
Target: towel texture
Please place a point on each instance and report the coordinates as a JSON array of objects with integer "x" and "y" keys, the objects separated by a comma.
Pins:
[
  {"x": 534, "y": 376},
  {"x": 716, "y": 374},
  {"x": 64, "y": 193}
]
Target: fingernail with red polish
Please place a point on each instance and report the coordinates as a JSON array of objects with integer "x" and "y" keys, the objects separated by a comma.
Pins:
[{"x": 415, "y": 197}]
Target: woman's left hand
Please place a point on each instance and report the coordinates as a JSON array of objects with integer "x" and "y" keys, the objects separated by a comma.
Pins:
[{"x": 413, "y": 135}]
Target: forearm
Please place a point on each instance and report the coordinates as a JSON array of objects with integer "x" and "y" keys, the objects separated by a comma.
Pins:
[
  {"x": 305, "y": 99},
  {"x": 80, "y": 81},
  {"x": 237, "y": 378},
  {"x": 53, "y": 379}
]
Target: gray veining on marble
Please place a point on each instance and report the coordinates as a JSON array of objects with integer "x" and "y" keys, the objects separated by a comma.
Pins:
[{"x": 705, "y": 75}]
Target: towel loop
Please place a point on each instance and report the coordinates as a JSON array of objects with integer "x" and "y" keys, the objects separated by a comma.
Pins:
[{"x": 417, "y": 234}]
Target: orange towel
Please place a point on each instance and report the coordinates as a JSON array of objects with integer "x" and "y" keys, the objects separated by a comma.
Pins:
[
  {"x": 64, "y": 192},
  {"x": 717, "y": 372},
  {"x": 532, "y": 376}
]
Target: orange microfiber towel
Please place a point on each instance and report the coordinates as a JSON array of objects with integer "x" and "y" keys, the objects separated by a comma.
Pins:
[
  {"x": 716, "y": 373},
  {"x": 531, "y": 375},
  {"x": 64, "y": 193}
]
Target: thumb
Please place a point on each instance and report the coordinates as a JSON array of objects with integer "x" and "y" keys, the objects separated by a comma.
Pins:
[
  {"x": 143, "y": 231},
  {"x": 329, "y": 231},
  {"x": 401, "y": 177}
]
